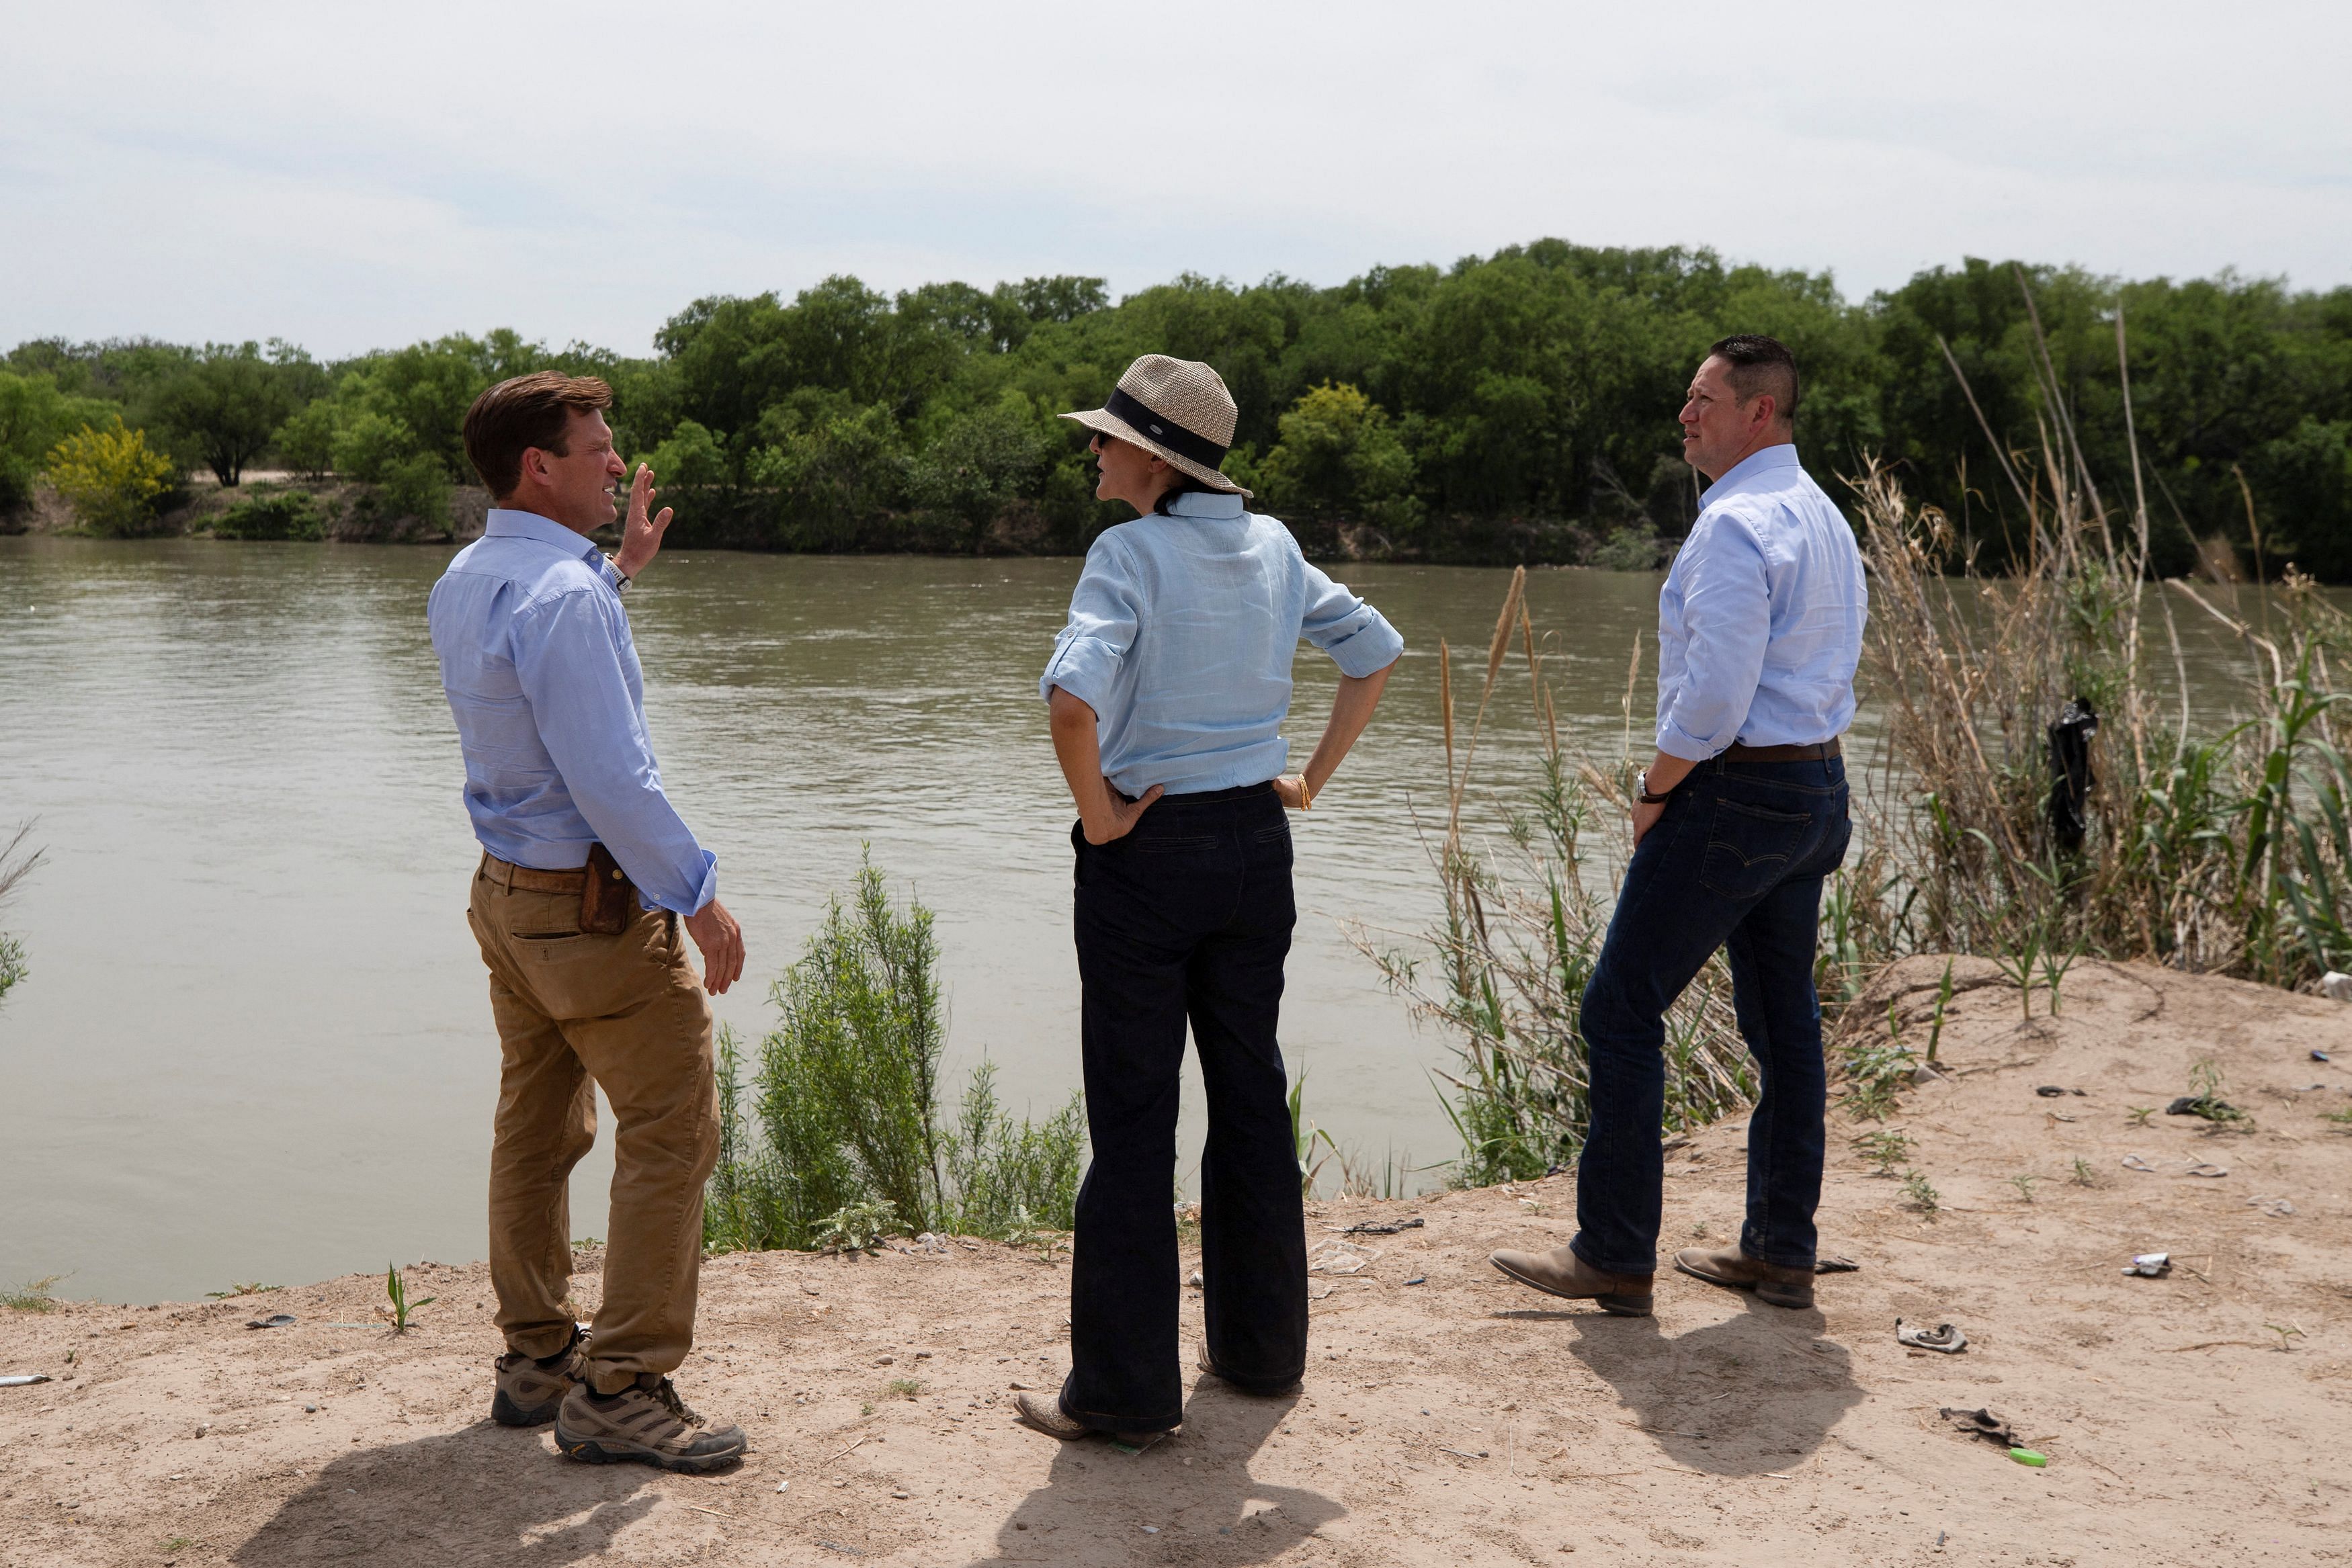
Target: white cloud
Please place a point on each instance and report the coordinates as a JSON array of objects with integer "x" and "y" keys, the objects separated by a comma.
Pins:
[{"x": 349, "y": 177}]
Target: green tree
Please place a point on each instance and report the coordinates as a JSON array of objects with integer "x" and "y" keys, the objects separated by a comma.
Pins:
[
  {"x": 306, "y": 442},
  {"x": 34, "y": 415},
  {"x": 1338, "y": 455},
  {"x": 227, "y": 404},
  {"x": 368, "y": 444},
  {"x": 978, "y": 463}
]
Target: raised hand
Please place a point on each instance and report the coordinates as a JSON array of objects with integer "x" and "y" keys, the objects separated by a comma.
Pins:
[{"x": 641, "y": 536}]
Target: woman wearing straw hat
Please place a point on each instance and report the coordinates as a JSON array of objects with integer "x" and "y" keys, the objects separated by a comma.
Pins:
[{"x": 1168, "y": 690}]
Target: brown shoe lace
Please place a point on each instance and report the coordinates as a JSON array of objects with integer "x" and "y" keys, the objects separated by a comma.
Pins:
[{"x": 666, "y": 1392}]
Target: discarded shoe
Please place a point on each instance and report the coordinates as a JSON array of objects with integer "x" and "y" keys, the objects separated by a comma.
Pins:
[{"x": 1943, "y": 1336}]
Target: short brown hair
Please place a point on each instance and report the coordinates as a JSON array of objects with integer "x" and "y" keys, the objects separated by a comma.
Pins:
[
  {"x": 522, "y": 413},
  {"x": 1760, "y": 364}
]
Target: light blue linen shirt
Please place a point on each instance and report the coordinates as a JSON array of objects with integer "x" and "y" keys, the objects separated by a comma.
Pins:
[
  {"x": 1759, "y": 624},
  {"x": 1181, "y": 633},
  {"x": 543, "y": 682}
]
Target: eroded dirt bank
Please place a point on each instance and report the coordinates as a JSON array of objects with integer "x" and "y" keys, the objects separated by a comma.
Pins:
[{"x": 2201, "y": 1418}]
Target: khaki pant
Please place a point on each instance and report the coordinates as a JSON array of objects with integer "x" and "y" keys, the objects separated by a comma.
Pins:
[{"x": 628, "y": 1013}]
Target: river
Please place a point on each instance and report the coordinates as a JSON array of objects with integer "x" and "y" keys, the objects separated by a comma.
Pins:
[{"x": 255, "y": 1043}]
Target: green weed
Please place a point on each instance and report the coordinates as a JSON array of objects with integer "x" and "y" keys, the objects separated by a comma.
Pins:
[
  {"x": 1304, "y": 1137},
  {"x": 904, "y": 1388},
  {"x": 1884, "y": 1150},
  {"x": 2342, "y": 1119},
  {"x": 1943, "y": 1001},
  {"x": 1918, "y": 1194},
  {"x": 843, "y": 1110},
  {"x": 1874, "y": 1075},
  {"x": 2204, "y": 1096},
  {"x": 2025, "y": 1185},
  {"x": 2082, "y": 1176},
  {"x": 402, "y": 1306},
  {"x": 860, "y": 1226},
  {"x": 33, "y": 1296},
  {"x": 253, "y": 1288},
  {"x": 2139, "y": 1114}
]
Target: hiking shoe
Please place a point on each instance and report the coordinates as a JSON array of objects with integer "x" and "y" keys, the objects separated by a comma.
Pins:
[
  {"x": 1257, "y": 1390},
  {"x": 1735, "y": 1271},
  {"x": 1561, "y": 1272},
  {"x": 644, "y": 1424},
  {"x": 531, "y": 1390}
]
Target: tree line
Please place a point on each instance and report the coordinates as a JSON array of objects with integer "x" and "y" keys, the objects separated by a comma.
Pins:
[{"x": 1514, "y": 406}]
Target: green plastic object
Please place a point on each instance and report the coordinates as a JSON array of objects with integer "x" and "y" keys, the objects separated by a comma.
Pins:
[{"x": 2028, "y": 1456}]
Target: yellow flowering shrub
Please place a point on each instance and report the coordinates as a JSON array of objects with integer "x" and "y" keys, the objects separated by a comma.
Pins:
[{"x": 109, "y": 477}]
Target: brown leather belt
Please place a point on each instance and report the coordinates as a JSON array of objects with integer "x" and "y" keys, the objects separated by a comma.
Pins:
[
  {"x": 506, "y": 873},
  {"x": 1819, "y": 751}
]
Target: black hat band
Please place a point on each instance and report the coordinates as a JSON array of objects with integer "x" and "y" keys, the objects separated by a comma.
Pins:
[{"x": 1163, "y": 430}]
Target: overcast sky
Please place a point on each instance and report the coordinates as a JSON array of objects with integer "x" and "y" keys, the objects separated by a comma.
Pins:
[{"x": 352, "y": 177}]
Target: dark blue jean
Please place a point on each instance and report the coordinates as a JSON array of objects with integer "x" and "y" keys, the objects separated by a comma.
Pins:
[
  {"x": 1187, "y": 918},
  {"x": 1736, "y": 861}
]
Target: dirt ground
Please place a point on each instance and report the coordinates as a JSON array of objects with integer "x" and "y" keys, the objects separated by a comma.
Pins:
[{"x": 1448, "y": 1415}]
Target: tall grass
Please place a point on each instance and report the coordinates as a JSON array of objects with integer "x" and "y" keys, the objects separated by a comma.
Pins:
[
  {"x": 843, "y": 1110},
  {"x": 2219, "y": 848},
  {"x": 1507, "y": 966},
  {"x": 16, "y": 863},
  {"x": 2225, "y": 847}
]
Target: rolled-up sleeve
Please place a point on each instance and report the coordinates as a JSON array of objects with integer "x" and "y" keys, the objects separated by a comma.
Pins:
[
  {"x": 567, "y": 659},
  {"x": 1357, "y": 637},
  {"x": 1101, "y": 629},
  {"x": 1727, "y": 619}
]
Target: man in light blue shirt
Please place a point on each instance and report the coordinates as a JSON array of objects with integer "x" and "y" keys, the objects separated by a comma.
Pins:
[
  {"x": 1737, "y": 820},
  {"x": 587, "y": 873}
]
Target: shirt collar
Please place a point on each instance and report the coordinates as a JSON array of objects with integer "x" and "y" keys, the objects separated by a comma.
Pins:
[
  {"x": 505, "y": 523},
  {"x": 1205, "y": 504},
  {"x": 1780, "y": 454}
]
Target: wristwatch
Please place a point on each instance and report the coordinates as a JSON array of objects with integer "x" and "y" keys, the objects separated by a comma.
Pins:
[
  {"x": 1642, "y": 790},
  {"x": 623, "y": 585}
]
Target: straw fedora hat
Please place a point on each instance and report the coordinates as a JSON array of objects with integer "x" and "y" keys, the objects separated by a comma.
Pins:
[{"x": 1175, "y": 409}]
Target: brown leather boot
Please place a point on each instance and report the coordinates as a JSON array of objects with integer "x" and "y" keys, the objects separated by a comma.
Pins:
[
  {"x": 1735, "y": 1271},
  {"x": 1562, "y": 1273}
]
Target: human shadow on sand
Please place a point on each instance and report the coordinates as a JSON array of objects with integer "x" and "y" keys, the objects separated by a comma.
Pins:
[
  {"x": 1749, "y": 1395},
  {"x": 1096, "y": 1497},
  {"x": 482, "y": 1495}
]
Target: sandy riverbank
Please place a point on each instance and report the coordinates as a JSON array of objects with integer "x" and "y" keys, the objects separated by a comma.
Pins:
[{"x": 1459, "y": 1420}]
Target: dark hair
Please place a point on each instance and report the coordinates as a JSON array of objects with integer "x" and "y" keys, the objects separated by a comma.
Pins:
[
  {"x": 522, "y": 413},
  {"x": 1760, "y": 364},
  {"x": 1185, "y": 485}
]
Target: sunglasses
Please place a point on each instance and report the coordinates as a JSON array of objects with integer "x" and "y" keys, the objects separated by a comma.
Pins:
[{"x": 1098, "y": 441}]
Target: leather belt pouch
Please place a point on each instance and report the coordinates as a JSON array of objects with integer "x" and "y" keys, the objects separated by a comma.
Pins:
[{"x": 607, "y": 902}]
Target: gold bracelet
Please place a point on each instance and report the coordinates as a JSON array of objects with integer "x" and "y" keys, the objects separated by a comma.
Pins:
[{"x": 1305, "y": 800}]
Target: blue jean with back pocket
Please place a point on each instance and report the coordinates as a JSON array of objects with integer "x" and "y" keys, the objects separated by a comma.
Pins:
[
  {"x": 1736, "y": 862},
  {"x": 1186, "y": 920}
]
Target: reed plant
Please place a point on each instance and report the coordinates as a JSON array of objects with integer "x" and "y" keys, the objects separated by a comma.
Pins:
[
  {"x": 839, "y": 1135},
  {"x": 2217, "y": 849},
  {"x": 1505, "y": 971}
]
